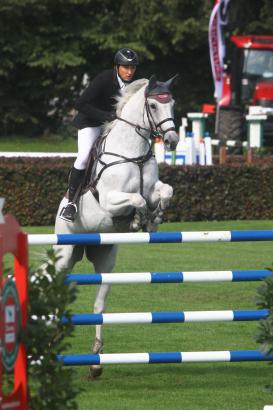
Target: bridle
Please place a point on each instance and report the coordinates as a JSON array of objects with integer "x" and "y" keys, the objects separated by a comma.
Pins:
[{"x": 155, "y": 131}]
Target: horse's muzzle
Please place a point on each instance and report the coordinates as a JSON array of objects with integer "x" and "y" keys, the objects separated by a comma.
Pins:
[{"x": 171, "y": 140}]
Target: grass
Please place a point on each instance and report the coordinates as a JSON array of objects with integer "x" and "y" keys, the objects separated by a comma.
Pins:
[
  {"x": 49, "y": 143},
  {"x": 189, "y": 386}
]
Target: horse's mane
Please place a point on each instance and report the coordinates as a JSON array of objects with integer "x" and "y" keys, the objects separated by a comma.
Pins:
[
  {"x": 124, "y": 96},
  {"x": 127, "y": 92}
]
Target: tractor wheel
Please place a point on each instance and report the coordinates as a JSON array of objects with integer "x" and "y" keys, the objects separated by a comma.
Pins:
[{"x": 231, "y": 124}]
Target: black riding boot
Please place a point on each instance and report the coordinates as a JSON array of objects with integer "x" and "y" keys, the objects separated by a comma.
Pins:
[{"x": 75, "y": 178}]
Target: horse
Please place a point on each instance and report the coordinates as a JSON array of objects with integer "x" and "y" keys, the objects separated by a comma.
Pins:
[{"x": 130, "y": 195}]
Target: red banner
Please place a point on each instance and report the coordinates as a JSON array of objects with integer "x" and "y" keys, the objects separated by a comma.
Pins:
[{"x": 218, "y": 19}]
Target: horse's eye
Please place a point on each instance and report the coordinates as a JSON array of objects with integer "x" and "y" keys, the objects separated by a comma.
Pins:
[{"x": 153, "y": 106}]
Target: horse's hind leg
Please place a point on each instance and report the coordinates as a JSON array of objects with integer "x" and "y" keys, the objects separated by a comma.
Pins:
[
  {"x": 103, "y": 258},
  {"x": 97, "y": 348},
  {"x": 67, "y": 255}
]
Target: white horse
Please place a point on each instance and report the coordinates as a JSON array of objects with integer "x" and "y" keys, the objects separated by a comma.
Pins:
[{"x": 130, "y": 194}]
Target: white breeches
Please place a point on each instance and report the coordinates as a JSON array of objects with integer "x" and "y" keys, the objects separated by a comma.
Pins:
[{"x": 86, "y": 138}]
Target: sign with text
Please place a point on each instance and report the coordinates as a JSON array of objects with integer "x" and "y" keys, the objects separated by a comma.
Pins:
[{"x": 11, "y": 324}]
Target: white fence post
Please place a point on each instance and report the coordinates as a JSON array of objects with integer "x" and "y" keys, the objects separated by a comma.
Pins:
[
  {"x": 198, "y": 120},
  {"x": 190, "y": 149},
  {"x": 159, "y": 151},
  {"x": 208, "y": 148},
  {"x": 255, "y": 129},
  {"x": 181, "y": 148}
]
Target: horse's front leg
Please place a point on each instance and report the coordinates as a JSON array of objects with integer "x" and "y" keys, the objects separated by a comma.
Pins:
[
  {"x": 166, "y": 194},
  {"x": 122, "y": 203},
  {"x": 159, "y": 199}
]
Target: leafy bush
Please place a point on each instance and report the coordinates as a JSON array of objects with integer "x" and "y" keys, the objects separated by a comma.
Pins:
[
  {"x": 265, "y": 327},
  {"x": 51, "y": 385}
]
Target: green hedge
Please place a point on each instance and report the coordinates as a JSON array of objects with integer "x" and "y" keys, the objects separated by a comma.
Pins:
[
  {"x": 220, "y": 192},
  {"x": 34, "y": 187}
]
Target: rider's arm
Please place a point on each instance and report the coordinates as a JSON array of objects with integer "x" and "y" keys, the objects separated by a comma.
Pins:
[{"x": 86, "y": 103}]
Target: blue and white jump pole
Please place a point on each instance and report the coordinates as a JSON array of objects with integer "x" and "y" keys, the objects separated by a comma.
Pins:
[
  {"x": 166, "y": 317},
  {"x": 167, "y": 277},
  {"x": 162, "y": 277},
  {"x": 164, "y": 357},
  {"x": 150, "y": 237}
]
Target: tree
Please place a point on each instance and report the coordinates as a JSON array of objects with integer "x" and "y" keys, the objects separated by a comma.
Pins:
[{"x": 57, "y": 42}]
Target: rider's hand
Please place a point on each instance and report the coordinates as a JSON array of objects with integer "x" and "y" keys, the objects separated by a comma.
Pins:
[{"x": 111, "y": 116}]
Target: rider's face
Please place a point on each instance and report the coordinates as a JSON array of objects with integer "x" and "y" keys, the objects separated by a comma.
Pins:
[{"x": 126, "y": 72}]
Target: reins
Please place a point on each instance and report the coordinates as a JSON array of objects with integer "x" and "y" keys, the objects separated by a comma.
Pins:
[
  {"x": 155, "y": 130},
  {"x": 140, "y": 161}
]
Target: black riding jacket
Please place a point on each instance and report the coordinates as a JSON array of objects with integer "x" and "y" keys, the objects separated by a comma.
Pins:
[{"x": 97, "y": 101}]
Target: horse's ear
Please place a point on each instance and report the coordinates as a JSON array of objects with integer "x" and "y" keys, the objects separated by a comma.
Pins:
[
  {"x": 171, "y": 81},
  {"x": 152, "y": 83}
]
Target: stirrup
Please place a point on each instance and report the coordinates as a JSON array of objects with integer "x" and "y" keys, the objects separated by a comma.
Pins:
[{"x": 68, "y": 212}]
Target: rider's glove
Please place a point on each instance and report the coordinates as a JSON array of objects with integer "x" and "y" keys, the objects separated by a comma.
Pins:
[{"x": 111, "y": 116}]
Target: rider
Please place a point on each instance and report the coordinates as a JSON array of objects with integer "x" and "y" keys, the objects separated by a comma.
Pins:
[{"x": 95, "y": 106}]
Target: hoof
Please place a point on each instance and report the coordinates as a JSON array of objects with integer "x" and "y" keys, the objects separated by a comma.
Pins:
[
  {"x": 94, "y": 372},
  {"x": 97, "y": 346},
  {"x": 134, "y": 227},
  {"x": 135, "y": 224}
]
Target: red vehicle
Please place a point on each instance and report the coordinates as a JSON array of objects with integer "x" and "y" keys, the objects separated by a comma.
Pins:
[{"x": 248, "y": 81}]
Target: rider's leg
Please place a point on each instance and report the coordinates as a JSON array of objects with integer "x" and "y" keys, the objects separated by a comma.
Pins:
[
  {"x": 86, "y": 139},
  {"x": 75, "y": 179}
]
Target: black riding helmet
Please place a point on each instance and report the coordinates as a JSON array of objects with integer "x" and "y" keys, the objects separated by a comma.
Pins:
[{"x": 126, "y": 56}]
